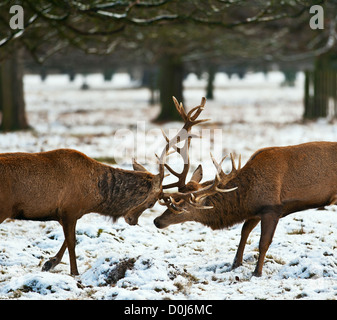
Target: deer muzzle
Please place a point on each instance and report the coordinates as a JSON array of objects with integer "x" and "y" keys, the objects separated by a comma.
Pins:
[
  {"x": 159, "y": 224},
  {"x": 131, "y": 220}
]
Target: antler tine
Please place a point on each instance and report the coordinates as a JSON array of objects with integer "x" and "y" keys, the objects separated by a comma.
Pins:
[
  {"x": 181, "y": 176},
  {"x": 218, "y": 166},
  {"x": 234, "y": 172},
  {"x": 170, "y": 205},
  {"x": 174, "y": 206},
  {"x": 176, "y": 203},
  {"x": 233, "y": 162},
  {"x": 164, "y": 135},
  {"x": 190, "y": 118},
  {"x": 211, "y": 189},
  {"x": 197, "y": 111},
  {"x": 180, "y": 108}
]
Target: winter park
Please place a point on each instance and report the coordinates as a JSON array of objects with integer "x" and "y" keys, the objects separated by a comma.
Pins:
[{"x": 98, "y": 77}]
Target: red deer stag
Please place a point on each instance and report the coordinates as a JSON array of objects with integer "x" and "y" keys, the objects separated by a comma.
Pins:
[
  {"x": 65, "y": 184},
  {"x": 274, "y": 182}
]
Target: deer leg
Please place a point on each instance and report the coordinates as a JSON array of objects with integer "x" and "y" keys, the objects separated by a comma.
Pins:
[
  {"x": 69, "y": 226},
  {"x": 268, "y": 225},
  {"x": 333, "y": 200},
  {"x": 247, "y": 227},
  {"x": 54, "y": 261},
  {"x": 5, "y": 211}
]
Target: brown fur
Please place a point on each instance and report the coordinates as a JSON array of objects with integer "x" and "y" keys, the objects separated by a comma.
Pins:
[
  {"x": 65, "y": 184},
  {"x": 275, "y": 182}
]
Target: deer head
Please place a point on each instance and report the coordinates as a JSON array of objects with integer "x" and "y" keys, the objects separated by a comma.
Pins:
[
  {"x": 189, "y": 203},
  {"x": 184, "y": 134}
]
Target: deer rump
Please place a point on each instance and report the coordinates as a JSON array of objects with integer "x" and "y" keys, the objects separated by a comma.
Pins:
[
  {"x": 33, "y": 185},
  {"x": 40, "y": 186},
  {"x": 292, "y": 178}
]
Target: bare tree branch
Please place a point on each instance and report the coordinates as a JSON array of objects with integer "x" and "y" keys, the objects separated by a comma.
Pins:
[{"x": 330, "y": 43}]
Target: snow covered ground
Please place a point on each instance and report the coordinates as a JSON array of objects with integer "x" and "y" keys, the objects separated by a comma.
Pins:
[{"x": 111, "y": 121}]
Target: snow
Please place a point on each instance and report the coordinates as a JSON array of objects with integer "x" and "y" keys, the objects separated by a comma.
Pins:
[{"x": 186, "y": 261}]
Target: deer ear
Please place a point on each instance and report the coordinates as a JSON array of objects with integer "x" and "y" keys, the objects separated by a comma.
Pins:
[
  {"x": 197, "y": 174},
  {"x": 157, "y": 183},
  {"x": 137, "y": 166}
]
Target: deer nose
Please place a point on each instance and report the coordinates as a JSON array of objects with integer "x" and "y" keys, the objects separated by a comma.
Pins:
[
  {"x": 131, "y": 220},
  {"x": 157, "y": 223}
]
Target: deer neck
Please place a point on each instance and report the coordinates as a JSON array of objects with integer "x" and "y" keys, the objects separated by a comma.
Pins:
[
  {"x": 120, "y": 190},
  {"x": 228, "y": 208}
]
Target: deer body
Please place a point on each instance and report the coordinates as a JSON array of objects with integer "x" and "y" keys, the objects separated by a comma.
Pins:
[
  {"x": 65, "y": 184},
  {"x": 274, "y": 182}
]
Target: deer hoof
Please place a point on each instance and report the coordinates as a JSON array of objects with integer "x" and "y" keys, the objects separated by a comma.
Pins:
[
  {"x": 236, "y": 264},
  {"x": 257, "y": 274},
  {"x": 50, "y": 264}
]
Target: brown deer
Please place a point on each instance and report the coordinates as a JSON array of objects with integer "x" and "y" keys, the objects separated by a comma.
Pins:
[
  {"x": 274, "y": 182},
  {"x": 65, "y": 184}
]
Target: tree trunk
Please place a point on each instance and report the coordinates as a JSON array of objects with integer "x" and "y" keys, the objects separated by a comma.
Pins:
[
  {"x": 308, "y": 99},
  {"x": 320, "y": 97},
  {"x": 150, "y": 81},
  {"x": 170, "y": 84},
  {"x": 12, "y": 103},
  {"x": 210, "y": 82}
]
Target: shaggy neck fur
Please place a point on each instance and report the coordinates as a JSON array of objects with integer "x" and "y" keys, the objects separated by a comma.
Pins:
[
  {"x": 228, "y": 208},
  {"x": 121, "y": 190}
]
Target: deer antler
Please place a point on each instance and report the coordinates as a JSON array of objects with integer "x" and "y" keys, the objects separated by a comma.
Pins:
[
  {"x": 220, "y": 178},
  {"x": 194, "y": 198},
  {"x": 226, "y": 177},
  {"x": 190, "y": 120}
]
